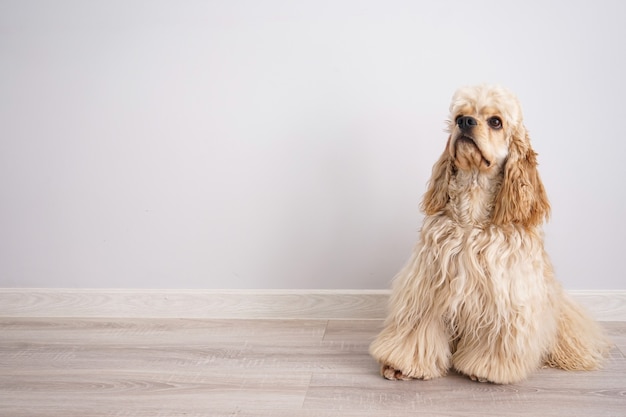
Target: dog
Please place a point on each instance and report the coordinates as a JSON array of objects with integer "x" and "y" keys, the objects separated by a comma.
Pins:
[{"x": 478, "y": 294}]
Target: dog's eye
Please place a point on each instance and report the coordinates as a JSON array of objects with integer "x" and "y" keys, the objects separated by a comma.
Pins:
[{"x": 495, "y": 122}]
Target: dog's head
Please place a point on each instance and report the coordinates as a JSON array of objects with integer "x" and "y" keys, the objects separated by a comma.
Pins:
[
  {"x": 483, "y": 120},
  {"x": 487, "y": 136}
]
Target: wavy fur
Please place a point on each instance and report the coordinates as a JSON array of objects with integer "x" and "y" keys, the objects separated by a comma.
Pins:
[{"x": 478, "y": 293}]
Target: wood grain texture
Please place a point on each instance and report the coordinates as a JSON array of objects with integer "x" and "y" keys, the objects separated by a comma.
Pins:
[
  {"x": 74, "y": 367},
  {"x": 192, "y": 304},
  {"x": 280, "y": 304}
]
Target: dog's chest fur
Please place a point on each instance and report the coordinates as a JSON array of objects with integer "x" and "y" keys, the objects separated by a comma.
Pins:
[
  {"x": 483, "y": 267},
  {"x": 472, "y": 196}
]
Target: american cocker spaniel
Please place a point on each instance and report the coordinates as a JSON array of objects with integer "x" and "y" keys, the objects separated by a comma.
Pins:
[{"x": 478, "y": 294}]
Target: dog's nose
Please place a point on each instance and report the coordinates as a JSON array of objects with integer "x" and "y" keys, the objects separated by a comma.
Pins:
[{"x": 465, "y": 122}]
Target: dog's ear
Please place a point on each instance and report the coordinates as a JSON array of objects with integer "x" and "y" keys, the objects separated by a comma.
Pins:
[
  {"x": 437, "y": 196},
  {"x": 522, "y": 198}
]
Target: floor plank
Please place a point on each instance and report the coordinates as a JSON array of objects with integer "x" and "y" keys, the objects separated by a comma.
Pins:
[{"x": 298, "y": 368}]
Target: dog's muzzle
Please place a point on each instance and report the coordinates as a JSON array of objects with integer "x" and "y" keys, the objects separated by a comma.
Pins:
[{"x": 465, "y": 140}]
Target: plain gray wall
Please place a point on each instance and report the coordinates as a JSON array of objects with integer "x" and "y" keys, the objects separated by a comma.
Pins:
[{"x": 287, "y": 144}]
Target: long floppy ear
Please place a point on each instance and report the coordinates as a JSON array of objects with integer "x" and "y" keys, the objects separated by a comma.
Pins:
[
  {"x": 437, "y": 196},
  {"x": 522, "y": 198}
]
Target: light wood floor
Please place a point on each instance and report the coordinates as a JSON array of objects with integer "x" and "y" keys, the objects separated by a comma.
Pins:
[{"x": 284, "y": 368}]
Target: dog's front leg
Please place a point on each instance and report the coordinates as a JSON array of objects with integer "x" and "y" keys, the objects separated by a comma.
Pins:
[
  {"x": 415, "y": 342},
  {"x": 413, "y": 350},
  {"x": 504, "y": 340}
]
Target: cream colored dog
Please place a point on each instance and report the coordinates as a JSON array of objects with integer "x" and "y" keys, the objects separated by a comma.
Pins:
[{"x": 478, "y": 293}]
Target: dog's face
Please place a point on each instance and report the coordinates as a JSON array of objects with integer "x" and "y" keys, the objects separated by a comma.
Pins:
[{"x": 482, "y": 122}]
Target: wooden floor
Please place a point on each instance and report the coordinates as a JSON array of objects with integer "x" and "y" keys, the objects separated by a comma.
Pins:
[{"x": 285, "y": 368}]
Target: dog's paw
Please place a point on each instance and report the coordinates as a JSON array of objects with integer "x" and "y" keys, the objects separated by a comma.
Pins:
[
  {"x": 393, "y": 374},
  {"x": 478, "y": 379}
]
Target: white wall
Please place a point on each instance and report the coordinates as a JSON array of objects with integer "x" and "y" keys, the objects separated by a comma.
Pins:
[{"x": 286, "y": 144}]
